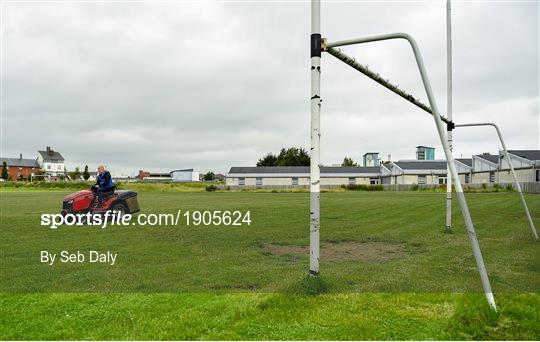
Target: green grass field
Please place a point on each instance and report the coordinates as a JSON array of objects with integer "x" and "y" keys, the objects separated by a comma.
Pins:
[{"x": 388, "y": 271}]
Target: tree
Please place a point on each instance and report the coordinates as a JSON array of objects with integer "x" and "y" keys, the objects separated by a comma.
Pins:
[
  {"x": 268, "y": 160},
  {"x": 86, "y": 174},
  {"x": 209, "y": 176},
  {"x": 75, "y": 174},
  {"x": 293, "y": 157},
  {"x": 5, "y": 173},
  {"x": 348, "y": 161}
]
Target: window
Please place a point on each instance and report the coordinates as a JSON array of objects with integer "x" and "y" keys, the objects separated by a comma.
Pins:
[
  {"x": 467, "y": 178},
  {"x": 374, "y": 181},
  {"x": 48, "y": 167},
  {"x": 538, "y": 175},
  {"x": 59, "y": 167},
  {"x": 421, "y": 180},
  {"x": 443, "y": 180},
  {"x": 295, "y": 181},
  {"x": 241, "y": 181},
  {"x": 258, "y": 181},
  {"x": 492, "y": 177},
  {"x": 352, "y": 180}
]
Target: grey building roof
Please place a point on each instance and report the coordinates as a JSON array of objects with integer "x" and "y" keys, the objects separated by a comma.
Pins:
[
  {"x": 422, "y": 164},
  {"x": 494, "y": 158},
  {"x": 54, "y": 156},
  {"x": 182, "y": 170},
  {"x": 19, "y": 162},
  {"x": 302, "y": 169},
  {"x": 466, "y": 161},
  {"x": 527, "y": 154}
]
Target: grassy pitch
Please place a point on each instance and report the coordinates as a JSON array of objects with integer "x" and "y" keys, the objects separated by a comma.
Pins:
[{"x": 388, "y": 271}]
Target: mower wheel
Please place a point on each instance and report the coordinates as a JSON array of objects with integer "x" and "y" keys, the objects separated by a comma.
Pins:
[{"x": 120, "y": 207}]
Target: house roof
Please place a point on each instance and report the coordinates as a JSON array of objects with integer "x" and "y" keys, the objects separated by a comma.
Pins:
[
  {"x": 421, "y": 164},
  {"x": 54, "y": 156},
  {"x": 19, "y": 162},
  {"x": 494, "y": 158},
  {"x": 466, "y": 161},
  {"x": 527, "y": 154},
  {"x": 302, "y": 169},
  {"x": 182, "y": 170}
]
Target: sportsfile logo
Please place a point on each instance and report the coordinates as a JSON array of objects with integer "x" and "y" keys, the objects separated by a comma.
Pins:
[
  {"x": 92, "y": 219},
  {"x": 116, "y": 218}
]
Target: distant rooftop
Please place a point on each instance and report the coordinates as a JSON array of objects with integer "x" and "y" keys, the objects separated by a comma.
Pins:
[
  {"x": 19, "y": 162},
  {"x": 527, "y": 154},
  {"x": 421, "y": 164},
  {"x": 466, "y": 161},
  {"x": 494, "y": 158},
  {"x": 50, "y": 155}
]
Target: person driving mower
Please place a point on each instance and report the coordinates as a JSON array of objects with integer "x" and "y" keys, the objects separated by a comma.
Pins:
[{"x": 104, "y": 184}]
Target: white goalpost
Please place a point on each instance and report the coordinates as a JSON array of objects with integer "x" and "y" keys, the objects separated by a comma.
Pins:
[
  {"x": 449, "y": 109},
  {"x": 318, "y": 45},
  {"x": 315, "y": 169}
]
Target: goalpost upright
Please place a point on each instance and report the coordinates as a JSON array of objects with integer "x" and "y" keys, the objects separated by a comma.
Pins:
[
  {"x": 449, "y": 109},
  {"x": 315, "y": 170}
]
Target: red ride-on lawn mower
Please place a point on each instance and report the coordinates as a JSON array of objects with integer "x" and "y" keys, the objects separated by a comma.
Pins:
[{"x": 84, "y": 201}]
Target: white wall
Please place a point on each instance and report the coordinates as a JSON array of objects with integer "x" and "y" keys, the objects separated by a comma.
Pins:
[
  {"x": 523, "y": 175},
  {"x": 53, "y": 168}
]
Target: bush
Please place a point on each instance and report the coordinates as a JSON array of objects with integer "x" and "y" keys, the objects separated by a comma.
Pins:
[
  {"x": 484, "y": 186},
  {"x": 509, "y": 187},
  {"x": 363, "y": 187},
  {"x": 414, "y": 187},
  {"x": 211, "y": 187}
]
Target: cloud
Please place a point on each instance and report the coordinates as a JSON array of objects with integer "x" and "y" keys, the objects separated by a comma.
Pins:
[{"x": 208, "y": 85}]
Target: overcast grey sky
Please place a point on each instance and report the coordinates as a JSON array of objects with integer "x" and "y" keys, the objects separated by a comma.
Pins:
[{"x": 209, "y": 85}]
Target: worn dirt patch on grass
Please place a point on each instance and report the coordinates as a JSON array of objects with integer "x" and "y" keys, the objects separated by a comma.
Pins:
[{"x": 369, "y": 251}]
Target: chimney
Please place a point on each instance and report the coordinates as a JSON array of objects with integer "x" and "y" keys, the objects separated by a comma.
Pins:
[{"x": 20, "y": 156}]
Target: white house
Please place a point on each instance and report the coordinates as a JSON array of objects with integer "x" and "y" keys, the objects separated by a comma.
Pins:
[{"x": 51, "y": 162}]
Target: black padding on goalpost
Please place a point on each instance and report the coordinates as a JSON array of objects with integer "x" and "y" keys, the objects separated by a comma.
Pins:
[{"x": 316, "y": 45}]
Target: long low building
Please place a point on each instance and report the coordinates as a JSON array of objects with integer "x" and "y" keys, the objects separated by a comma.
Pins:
[
  {"x": 481, "y": 169},
  {"x": 285, "y": 176}
]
